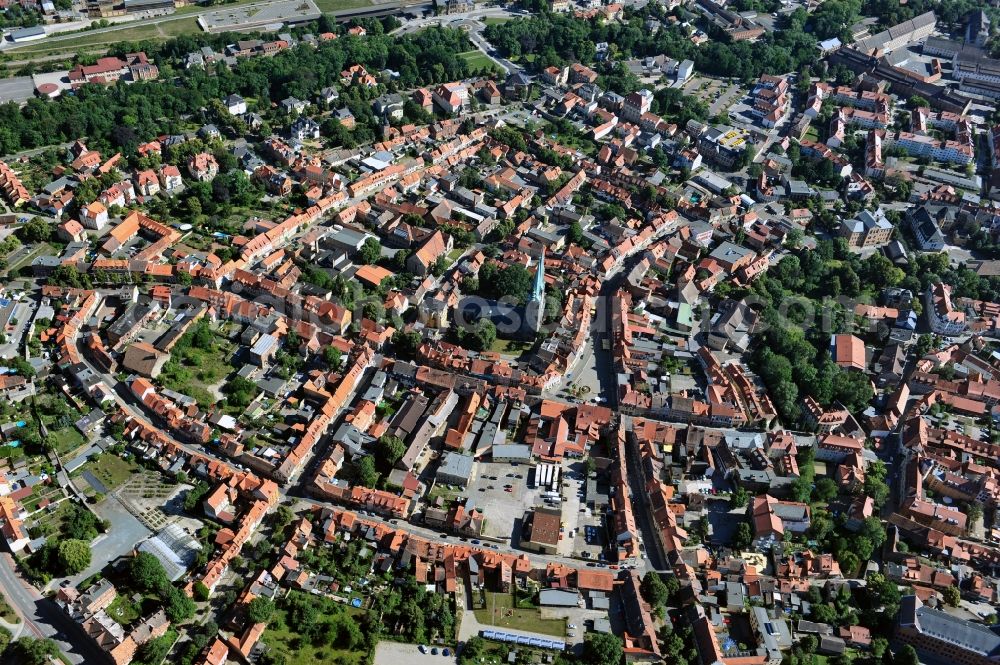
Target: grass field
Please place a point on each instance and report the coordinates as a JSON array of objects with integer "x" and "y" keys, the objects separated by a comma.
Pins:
[
  {"x": 494, "y": 20},
  {"x": 51, "y": 521},
  {"x": 66, "y": 440},
  {"x": 298, "y": 651},
  {"x": 128, "y": 32},
  {"x": 499, "y": 612},
  {"x": 337, "y": 5},
  {"x": 198, "y": 369},
  {"x": 123, "y": 610},
  {"x": 476, "y": 59},
  {"x": 511, "y": 347},
  {"x": 111, "y": 470},
  {"x": 7, "y": 612}
]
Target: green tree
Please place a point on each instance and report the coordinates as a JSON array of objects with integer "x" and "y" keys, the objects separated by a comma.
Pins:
[
  {"x": 925, "y": 343},
  {"x": 201, "y": 591},
  {"x": 603, "y": 649},
  {"x": 879, "y": 646},
  {"x": 365, "y": 471},
  {"x": 478, "y": 337},
  {"x": 349, "y": 634},
  {"x": 389, "y": 450},
  {"x": 743, "y": 537},
  {"x": 147, "y": 573},
  {"x": 739, "y": 498},
  {"x": 653, "y": 590},
  {"x": 473, "y": 650},
  {"x": 951, "y": 595},
  {"x": 370, "y": 251},
  {"x": 849, "y": 563},
  {"x": 826, "y": 490},
  {"x": 73, "y": 556},
  {"x": 332, "y": 356},
  {"x": 154, "y": 651},
  {"x": 32, "y": 651},
  {"x": 907, "y": 656},
  {"x": 80, "y": 523},
  {"x": 176, "y": 604},
  {"x": 575, "y": 233},
  {"x": 973, "y": 512},
  {"x": 260, "y": 610},
  {"x": 406, "y": 343},
  {"x": 194, "y": 496},
  {"x": 35, "y": 230},
  {"x": 505, "y": 281}
]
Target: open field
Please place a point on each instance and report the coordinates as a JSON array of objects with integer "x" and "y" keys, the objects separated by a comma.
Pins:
[
  {"x": 499, "y": 612},
  {"x": 112, "y": 471},
  {"x": 198, "y": 370},
  {"x": 476, "y": 58},
  {"x": 327, "y": 6},
  {"x": 298, "y": 651},
  {"x": 128, "y": 32},
  {"x": 7, "y": 612}
]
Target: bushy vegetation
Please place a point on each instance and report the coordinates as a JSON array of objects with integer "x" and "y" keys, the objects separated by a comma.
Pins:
[
  {"x": 120, "y": 117},
  {"x": 561, "y": 39}
]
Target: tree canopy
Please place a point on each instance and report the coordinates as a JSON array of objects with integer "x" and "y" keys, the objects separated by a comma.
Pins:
[
  {"x": 147, "y": 573},
  {"x": 73, "y": 556},
  {"x": 603, "y": 649}
]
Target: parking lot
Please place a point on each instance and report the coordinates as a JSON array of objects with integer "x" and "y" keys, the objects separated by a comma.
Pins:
[
  {"x": 589, "y": 537},
  {"x": 502, "y": 496},
  {"x": 256, "y": 16},
  {"x": 717, "y": 93},
  {"x": 393, "y": 653}
]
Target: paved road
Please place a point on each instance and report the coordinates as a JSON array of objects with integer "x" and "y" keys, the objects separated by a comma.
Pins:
[
  {"x": 126, "y": 532},
  {"x": 19, "y": 89},
  {"x": 43, "y": 619},
  {"x": 472, "y": 22}
]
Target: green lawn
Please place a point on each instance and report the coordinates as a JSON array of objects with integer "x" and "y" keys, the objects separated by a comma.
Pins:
[
  {"x": 7, "y": 612},
  {"x": 328, "y": 6},
  {"x": 476, "y": 59},
  {"x": 196, "y": 369},
  {"x": 127, "y": 32},
  {"x": 123, "y": 611},
  {"x": 511, "y": 347},
  {"x": 499, "y": 612},
  {"x": 111, "y": 470},
  {"x": 440, "y": 490},
  {"x": 298, "y": 651},
  {"x": 51, "y": 521},
  {"x": 494, "y": 20},
  {"x": 66, "y": 440}
]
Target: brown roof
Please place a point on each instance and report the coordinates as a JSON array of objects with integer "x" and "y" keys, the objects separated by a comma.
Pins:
[{"x": 545, "y": 528}]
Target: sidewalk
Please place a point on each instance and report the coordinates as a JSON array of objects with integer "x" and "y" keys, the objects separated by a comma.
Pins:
[{"x": 14, "y": 628}]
